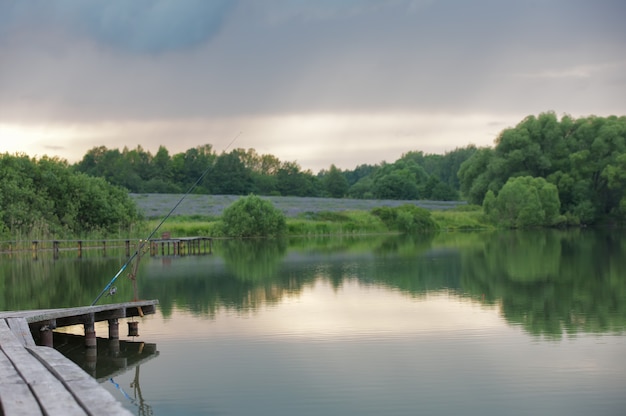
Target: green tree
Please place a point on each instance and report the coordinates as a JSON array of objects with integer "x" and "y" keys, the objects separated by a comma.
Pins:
[
  {"x": 230, "y": 175},
  {"x": 335, "y": 183},
  {"x": 188, "y": 167},
  {"x": 291, "y": 180},
  {"x": 475, "y": 177},
  {"x": 252, "y": 216},
  {"x": 524, "y": 202}
]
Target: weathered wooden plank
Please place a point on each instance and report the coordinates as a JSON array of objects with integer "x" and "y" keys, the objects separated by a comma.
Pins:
[
  {"x": 91, "y": 395},
  {"x": 111, "y": 314},
  {"x": 18, "y": 400},
  {"x": 50, "y": 392},
  {"x": 20, "y": 328},
  {"x": 60, "y": 366},
  {"x": 56, "y": 400},
  {"x": 8, "y": 373},
  {"x": 7, "y": 337},
  {"x": 97, "y": 400}
]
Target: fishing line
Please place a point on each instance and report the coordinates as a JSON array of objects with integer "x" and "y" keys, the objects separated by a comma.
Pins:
[{"x": 144, "y": 242}]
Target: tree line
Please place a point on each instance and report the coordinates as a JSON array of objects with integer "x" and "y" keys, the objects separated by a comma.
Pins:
[
  {"x": 545, "y": 171},
  {"x": 240, "y": 172}
]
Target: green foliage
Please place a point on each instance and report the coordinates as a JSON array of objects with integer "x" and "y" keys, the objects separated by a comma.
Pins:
[
  {"x": 334, "y": 223},
  {"x": 291, "y": 180},
  {"x": 239, "y": 172},
  {"x": 406, "y": 218},
  {"x": 398, "y": 184},
  {"x": 524, "y": 202},
  {"x": 252, "y": 216},
  {"x": 230, "y": 176},
  {"x": 462, "y": 218},
  {"x": 475, "y": 176},
  {"x": 584, "y": 158},
  {"x": 335, "y": 183},
  {"x": 42, "y": 198}
]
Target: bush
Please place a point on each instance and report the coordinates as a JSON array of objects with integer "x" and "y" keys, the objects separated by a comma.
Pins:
[
  {"x": 253, "y": 216},
  {"x": 45, "y": 198},
  {"x": 524, "y": 202},
  {"x": 406, "y": 218}
]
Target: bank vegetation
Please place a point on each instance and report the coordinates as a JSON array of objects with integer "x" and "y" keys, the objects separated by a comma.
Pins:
[{"x": 544, "y": 172}]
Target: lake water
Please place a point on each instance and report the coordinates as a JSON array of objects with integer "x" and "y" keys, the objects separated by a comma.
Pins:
[{"x": 515, "y": 323}]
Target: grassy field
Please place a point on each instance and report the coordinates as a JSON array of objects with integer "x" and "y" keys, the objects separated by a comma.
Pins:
[
  {"x": 207, "y": 206},
  {"x": 199, "y": 214}
]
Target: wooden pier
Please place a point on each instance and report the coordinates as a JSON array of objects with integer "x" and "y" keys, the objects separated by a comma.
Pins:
[
  {"x": 39, "y": 380},
  {"x": 164, "y": 246},
  {"x": 167, "y": 246}
]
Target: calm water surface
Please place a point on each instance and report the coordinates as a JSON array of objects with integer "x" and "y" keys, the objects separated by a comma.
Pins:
[{"x": 476, "y": 324}]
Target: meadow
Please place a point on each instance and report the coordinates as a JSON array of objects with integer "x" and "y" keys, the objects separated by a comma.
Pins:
[
  {"x": 158, "y": 205},
  {"x": 199, "y": 214}
]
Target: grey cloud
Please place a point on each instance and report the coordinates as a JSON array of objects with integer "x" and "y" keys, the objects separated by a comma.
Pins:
[
  {"x": 277, "y": 56},
  {"x": 150, "y": 26}
]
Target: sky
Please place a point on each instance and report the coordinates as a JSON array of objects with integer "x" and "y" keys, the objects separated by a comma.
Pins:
[{"x": 318, "y": 82}]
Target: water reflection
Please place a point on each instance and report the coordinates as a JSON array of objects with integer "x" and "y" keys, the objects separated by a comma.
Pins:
[
  {"x": 112, "y": 358},
  {"x": 548, "y": 282},
  {"x": 435, "y": 324},
  {"x": 368, "y": 350}
]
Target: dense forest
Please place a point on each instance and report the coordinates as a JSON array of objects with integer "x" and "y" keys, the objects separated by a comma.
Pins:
[
  {"x": 545, "y": 171},
  {"x": 241, "y": 172}
]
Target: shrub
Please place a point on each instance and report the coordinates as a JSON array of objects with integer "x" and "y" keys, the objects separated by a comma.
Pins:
[
  {"x": 253, "y": 216},
  {"x": 406, "y": 218},
  {"x": 524, "y": 202}
]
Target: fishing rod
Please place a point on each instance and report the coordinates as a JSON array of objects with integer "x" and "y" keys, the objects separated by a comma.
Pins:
[{"x": 144, "y": 242}]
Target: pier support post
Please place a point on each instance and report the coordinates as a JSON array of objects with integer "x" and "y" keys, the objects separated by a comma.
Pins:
[
  {"x": 90, "y": 332},
  {"x": 35, "y": 245},
  {"x": 55, "y": 249},
  {"x": 46, "y": 336},
  {"x": 114, "y": 337},
  {"x": 114, "y": 329},
  {"x": 91, "y": 354}
]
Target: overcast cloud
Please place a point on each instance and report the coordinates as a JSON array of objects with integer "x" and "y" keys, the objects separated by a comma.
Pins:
[{"x": 318, "y": 82}]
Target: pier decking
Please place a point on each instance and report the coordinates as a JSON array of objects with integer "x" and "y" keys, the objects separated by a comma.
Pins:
[{"x": 38, "y": 380}]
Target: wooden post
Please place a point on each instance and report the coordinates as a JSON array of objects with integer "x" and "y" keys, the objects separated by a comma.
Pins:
[
  {"x": 46, "y": 336},
  {"x": 104, "y": 247},
  {"x": 55, "y": 249},
  {"x": 127, "y": 248},
  {"x": 114, "y": 329},
  {"x": 80, "y": 249},
  {"x": 90, "y": 331},
  {"x": 35, "y": 245}
]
